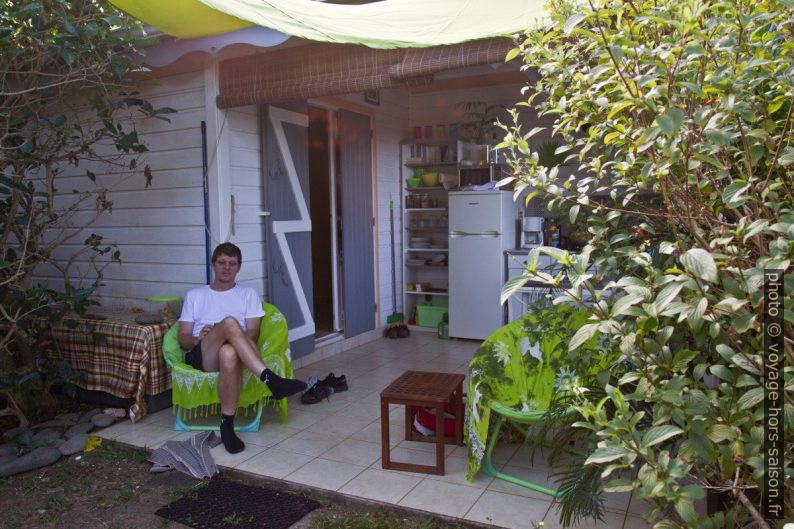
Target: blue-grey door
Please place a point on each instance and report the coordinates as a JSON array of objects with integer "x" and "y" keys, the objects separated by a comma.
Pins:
[
  {"x": 289, "y": 224},
  {"x": 358, "y": 260}
]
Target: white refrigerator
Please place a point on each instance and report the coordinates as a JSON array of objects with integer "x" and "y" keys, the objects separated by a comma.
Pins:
[{"x": 482, "y": 227}]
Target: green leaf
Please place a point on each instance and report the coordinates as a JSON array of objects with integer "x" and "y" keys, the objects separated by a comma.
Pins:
[
  {"x": 512, "y": 54},
  {"x": 607, "y": 454},
  {"x": 732, "y": 194},
  {"x": 682, "y": 359},
  {"x": 665, "y": 123},
  {"x": 584, "y": 333},
  {"x": 572, "y": 22},
  {"x": 658, "y": 434},
  {"x": 720, "y": 432},
  {"x": 622, "y": 304},
  {"x": 722, "y": 372},
  {"x": 743, "y": 322},
  {"x": 667, "y": 295},
  {"x": 787, "y": 158},
  {"x": 750, "y": 398},
  {"x": 619, "y": 485},
  {"x": 573, "y": 213},
  {"x": 701, "y": 264},
  {"x": 512, "y": 286},
  {"x": 686, "y": 509}
]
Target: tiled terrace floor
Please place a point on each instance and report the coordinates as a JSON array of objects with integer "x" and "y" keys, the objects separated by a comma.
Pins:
[{"x": 335, "y": 445}]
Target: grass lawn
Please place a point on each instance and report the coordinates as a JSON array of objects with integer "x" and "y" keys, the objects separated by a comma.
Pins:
[{"x": 111, "y": 487}]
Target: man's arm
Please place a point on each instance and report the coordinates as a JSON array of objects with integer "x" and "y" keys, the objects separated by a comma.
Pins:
[
  {"x": 252, "y": 328},
  {"x": 186, "y": 338}
]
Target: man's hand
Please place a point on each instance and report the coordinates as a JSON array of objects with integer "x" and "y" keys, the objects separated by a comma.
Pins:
[{"x": 204, "y": 331}]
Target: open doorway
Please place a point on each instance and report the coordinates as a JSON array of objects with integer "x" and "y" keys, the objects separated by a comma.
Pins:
[{"x": 323, "y": 191}]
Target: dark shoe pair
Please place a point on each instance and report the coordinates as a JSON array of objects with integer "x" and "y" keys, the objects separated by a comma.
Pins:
[
  {"x": 324, "y": 389},
  {"x": 338, "y": 383}
]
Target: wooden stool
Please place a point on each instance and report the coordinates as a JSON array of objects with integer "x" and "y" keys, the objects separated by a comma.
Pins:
[{"x": 427, "y": 390}]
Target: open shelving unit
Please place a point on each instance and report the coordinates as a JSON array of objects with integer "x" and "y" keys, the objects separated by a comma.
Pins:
[{"x": 425, "y": 219}]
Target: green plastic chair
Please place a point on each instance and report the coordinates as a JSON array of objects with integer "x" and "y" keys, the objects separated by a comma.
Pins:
[
  {"x": 514, "y": 374},
  {"x": 194, "y": 393}
]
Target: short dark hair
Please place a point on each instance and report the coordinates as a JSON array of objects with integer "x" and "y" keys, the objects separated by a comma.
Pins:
[{"x": 229, "y": 249}]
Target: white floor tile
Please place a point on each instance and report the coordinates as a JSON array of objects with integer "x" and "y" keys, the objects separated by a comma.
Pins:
[
  {"x": 340, "y": 425},
  {"x": 310, "y": 443},
  {"x": 301, "y": 419},
  {"x": 372, "y": 433},
  {"x": 161, "y": 418},
  {"x": 439, "y": 497},
  {"x": 364, "y": 410},
  {"x": 275, "y": 463},
  {"x": 381, "y": 485},
  {"x": 408, "y": 455},
  {"x": 506, "y": 510},
  {"x": 455, "y": 469},
  {"x": 268, "y": 435},
  {"x": 145, "y": 436},
  {"x": 325, "y": 474},
  {"x": 353, "y": 451},
  {"x": 223, "y": 458}
]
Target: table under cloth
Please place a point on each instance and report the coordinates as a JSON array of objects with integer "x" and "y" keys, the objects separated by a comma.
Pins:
[{"x": 127, "y": 364}]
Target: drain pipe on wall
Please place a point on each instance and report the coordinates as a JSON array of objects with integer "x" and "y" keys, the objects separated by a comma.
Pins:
[{"x": 204, "y": 173}]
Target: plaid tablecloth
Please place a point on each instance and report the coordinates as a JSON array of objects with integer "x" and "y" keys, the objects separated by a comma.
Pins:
[{"x": 128, "y": 363}]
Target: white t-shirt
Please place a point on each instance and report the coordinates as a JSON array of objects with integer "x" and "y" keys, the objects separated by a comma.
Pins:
[{"x": 204, "y": 306}]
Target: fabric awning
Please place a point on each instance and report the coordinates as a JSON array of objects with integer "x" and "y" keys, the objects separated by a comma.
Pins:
[
  {"x": 319, "y": 70},
  {"x": 387, "y": 24}
]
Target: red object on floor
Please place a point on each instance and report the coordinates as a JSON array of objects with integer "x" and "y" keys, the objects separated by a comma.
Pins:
[{"x": 425, "y": 420}]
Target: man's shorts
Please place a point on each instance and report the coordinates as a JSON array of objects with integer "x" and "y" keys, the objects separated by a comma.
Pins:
[{"x": 193, "y": 358}]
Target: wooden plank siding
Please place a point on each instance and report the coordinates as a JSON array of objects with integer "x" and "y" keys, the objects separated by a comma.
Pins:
[
  {"x": 248, "y": 230},
  {"x": 158, "y": 229}
]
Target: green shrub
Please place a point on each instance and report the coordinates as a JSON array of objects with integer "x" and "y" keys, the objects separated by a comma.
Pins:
[
  {"x": 65, "y": 100},
  {"x": 679, "y": 114}
]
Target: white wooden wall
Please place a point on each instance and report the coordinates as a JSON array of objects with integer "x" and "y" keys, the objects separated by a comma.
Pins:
[
  {"x": 159, "y": 229},
  {"x": 247, "y": 227}
]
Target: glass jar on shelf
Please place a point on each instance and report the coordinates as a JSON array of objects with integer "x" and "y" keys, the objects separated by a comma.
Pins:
[{"x": 427, "y": 202}]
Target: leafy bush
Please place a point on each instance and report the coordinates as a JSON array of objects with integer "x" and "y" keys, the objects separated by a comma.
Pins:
[
  {"x": 65, "y": 100},
  {"x": 679, "y": 115}
]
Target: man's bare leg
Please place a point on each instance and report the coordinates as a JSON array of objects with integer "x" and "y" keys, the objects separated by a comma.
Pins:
[
  {"x": 229, "y": 332},
  {"x": 230, "y": 379}
]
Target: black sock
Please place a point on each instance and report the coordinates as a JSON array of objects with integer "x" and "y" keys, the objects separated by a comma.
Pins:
[
  {"x": 230, "y": 440},
  {"x": 281, "y": 387}
]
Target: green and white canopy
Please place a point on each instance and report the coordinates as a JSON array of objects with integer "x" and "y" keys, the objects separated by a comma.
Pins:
[{"x": 386, "y": 24}]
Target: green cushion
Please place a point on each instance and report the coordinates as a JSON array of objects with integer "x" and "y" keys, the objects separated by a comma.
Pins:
[{"x": 519, "y": 367}]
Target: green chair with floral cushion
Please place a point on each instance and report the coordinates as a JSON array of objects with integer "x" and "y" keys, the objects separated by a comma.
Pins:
[
  {"x": 515, "y": 374},
  {"x": 195, "y": 393}
]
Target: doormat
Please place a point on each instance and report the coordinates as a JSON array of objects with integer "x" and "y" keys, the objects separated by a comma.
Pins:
[{"x": 224, "y": 504}]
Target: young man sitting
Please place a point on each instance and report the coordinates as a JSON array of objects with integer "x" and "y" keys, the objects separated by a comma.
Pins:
[{"x": 219, "y": 327}]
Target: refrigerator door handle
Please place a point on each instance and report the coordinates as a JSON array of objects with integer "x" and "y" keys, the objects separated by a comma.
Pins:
[{"x": 493, "y": 234}]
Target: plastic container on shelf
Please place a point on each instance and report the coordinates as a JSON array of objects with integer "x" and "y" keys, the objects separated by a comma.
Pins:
[{"x": 431, "y": 313}]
